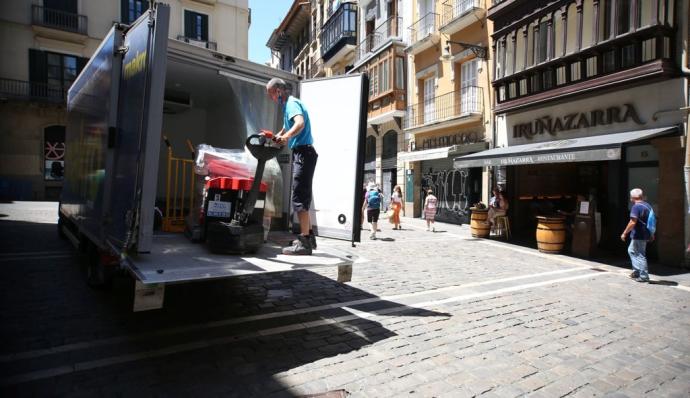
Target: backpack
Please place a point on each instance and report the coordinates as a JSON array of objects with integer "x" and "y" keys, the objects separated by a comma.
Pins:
[
  {"x": 651, "y": 221},
  {"x": 374, "y": 200}
]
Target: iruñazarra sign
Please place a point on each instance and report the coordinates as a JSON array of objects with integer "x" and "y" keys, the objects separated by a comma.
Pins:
[{"x": 577, "y": 121}]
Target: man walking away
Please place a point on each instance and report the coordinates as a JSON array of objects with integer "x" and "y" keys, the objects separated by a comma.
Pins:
[
  {"x": 372, "y": 204},
  {"x": 639, "y": 235},
  {"x": 296, "y": 132}
]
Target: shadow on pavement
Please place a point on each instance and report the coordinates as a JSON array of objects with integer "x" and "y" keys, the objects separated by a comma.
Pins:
[{"x": 246, "y": 333}]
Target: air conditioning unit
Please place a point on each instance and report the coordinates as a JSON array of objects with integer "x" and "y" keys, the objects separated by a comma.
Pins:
[{"x": 176, "y": 102}]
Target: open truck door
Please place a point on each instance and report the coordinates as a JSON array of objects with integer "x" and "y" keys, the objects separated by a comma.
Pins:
[
  {"x": 337, "y": 109},
  {"x": 137, "y": 141}
]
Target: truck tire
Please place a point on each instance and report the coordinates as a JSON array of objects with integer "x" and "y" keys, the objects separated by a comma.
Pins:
[{"x": 98, "y": 275}]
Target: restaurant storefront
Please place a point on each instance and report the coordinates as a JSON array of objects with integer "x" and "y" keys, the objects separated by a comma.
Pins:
[{"x": 598, "y": 147}]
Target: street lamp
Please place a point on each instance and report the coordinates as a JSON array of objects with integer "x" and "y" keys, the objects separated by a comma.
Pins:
[{"x": 478, "y": 51}]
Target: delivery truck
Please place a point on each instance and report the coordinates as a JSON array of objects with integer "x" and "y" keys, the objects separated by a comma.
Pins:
[{"x": 138, "y": 115}]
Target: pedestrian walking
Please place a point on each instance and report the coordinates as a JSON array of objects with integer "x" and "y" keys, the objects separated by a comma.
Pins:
[
  {"x": 296, "y": 133},
  {"x": 430, "y": 210},
  {"x": 640, "y": 218},
  {"x": 397, "y": 204},
  {"x": 372, "y": 204}
]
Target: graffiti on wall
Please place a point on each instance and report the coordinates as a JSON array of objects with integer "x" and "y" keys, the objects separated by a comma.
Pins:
[{"x": 453, "y": 188}]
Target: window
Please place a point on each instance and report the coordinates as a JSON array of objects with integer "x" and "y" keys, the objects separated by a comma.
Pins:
[
  {"x": 624, "y": 15},
  {"x": 523, "y": 86},
  {"x": 592, "y": 66},
  {"x": 512, "y": 90},
  {"x": 195, "y": 25},
  {"x": 644, "y": 12},
  {"x": 609, "y": 61},
  {"x": 543, "y": 39},
  {"x": 520, "y": 51},
  {"x": 587, "y": 23},
  {"x": 385, "y": 76},
  {"x": 132, "y": 9},
  {"x": 560, "y": 75},
  {"x": 530, "y": 46},
  {"x": 62, "y": 70},
  {"x": 605, "y": 31},
  {"x": 571, "y": 43},
  {"x": 399, "y": 73},
  {"x": 575, "y": 71},
  {"x": 374, "y": 81},
  {"x": 628, "y": 58},
  {"x": 667, "y": 47},
  {"x": 54, "y": 153},
  {"x": 510, "y": 55},
  {"x": 536, "y": 83},
  {"x": 502, "y": 93},
  {"x": 649, "y": 50},
  {"x": 558, "y": 34}
]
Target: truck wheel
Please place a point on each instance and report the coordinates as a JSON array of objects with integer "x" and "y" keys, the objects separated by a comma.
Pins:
[{"x": 98, "y": 275}]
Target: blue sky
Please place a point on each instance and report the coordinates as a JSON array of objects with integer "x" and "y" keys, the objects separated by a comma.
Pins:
[{"x": 266, "y": 16}]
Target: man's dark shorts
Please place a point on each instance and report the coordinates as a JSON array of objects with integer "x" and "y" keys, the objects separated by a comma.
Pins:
[
  {"x": 373, "y": 215},
  {"x": 303, "y": 165}
]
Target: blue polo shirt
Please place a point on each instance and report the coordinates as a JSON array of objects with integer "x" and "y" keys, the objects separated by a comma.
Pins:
[
  {"x": 292, "y": 108},
  {"x": 640, "y": 211}
]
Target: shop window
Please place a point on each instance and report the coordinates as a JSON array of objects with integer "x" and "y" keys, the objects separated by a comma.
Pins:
[
  {"x": 628, "y": 58},
  {"x": 609, "y": 61},
  {"x": 575, "y": 71},
  {"x": 560, "y": 76},
  {"x": 649, "y": 50},
  {"x": 592, "y": 65},
  {"x": 195, "y": 25}
]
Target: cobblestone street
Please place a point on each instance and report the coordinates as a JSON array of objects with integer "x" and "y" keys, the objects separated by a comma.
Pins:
[{"x": 426, "y": 314}]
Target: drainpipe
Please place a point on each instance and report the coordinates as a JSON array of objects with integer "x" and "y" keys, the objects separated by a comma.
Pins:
[{"x": 686, "y": 168}]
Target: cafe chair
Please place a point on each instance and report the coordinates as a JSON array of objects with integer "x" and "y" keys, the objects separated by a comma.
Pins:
[{"x": 502, "y": 226}]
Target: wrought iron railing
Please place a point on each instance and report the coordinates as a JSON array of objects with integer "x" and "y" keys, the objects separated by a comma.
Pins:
[
  {"x": 58, "y": 19},
  {"x": 444, "y": 107},
  {"x": 392, "y": 27},
  {"x": 211, "y": 45},
  {"x": 453, "y": 9},
  {"x": 31, "y": 91},
  {"x": 342, "y": 25},
  {"x": 424, "y": 27}
]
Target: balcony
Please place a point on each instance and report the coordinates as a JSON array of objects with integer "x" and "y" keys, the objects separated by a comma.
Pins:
[
  {"x": 386, "y": 107},
  {"x": 21, "y": 90},
  {"x": 459, "y": 14},
  {"x": 211, "y": 45},
  {"x": 58, "y": 19},
  {"x": 390, "y": 29},
  {"x": 339, "y": 34},
  {"x": 424, "y": 34},
  {"x": 446, "y": 110}
]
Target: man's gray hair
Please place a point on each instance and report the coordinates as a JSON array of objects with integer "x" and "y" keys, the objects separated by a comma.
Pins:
[
  {"x": 636, "y": 193},
  {"x": 277, "y": 83}
]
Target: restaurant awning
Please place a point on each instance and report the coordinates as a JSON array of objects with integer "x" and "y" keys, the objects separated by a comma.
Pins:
[
  {"x": 440, "y": 153},
  {"x": 587, "y": 149}
]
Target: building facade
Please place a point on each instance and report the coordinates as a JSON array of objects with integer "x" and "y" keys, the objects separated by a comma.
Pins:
[
  {"x": 589, "y": 101},
  {"x": 449, "y": 104},
  {"x": 44, "y": 46}
]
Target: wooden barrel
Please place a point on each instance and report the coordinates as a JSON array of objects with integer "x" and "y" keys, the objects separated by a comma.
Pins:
[
  {"x": 479, "y": 225},
  {"x": 550, "y": 234}
]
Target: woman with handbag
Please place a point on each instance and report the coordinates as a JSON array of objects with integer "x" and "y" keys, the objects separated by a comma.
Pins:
[{"x": 397, "y": 204}]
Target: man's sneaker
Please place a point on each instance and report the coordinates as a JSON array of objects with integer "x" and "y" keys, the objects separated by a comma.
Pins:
[
  {"x": 433, "y": 229},
  {"x": 372, "y": 236},
  {"x": 634, "y": 275},
  {"x": 312, "y": 240},
  {"x": 301, "y": 247},
  {"x": 642, "y": 280}
]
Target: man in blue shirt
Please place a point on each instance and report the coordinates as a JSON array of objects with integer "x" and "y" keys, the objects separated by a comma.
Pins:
[
  {"x": 639, "y": 235},
  {"x": 296, "y": 133}
]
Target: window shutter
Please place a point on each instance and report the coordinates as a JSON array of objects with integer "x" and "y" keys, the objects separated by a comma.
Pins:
[
  {"x": 81, "y": 63},
  {"x": 38, "y": 66},
  {"x": 188, "y": 24},
  {"x": 204, "y": 27}
]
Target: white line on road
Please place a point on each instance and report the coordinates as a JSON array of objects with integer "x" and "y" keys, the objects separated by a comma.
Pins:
[
  {"x": 234, "y": 321},
  {"x": 200, "y": 344}
]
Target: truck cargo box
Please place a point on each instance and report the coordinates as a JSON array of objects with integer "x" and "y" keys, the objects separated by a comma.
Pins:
[{"x": 140, "y": 86}]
